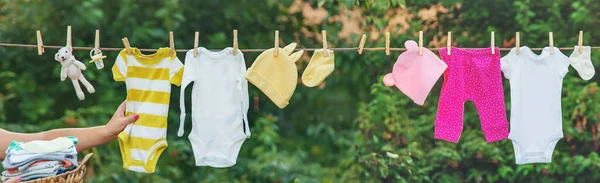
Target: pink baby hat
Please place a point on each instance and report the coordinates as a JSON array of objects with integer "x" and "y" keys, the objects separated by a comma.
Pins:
[{"x": 415, "y": 74}]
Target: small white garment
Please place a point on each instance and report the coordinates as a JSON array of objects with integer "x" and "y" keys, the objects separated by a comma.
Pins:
[
  {"x": 45, "y": 147},
  {"x": 535, "y": 92},
  {"x": 583, "y": 62},
  {"x": 23, "y": 156},
  {"x": 219, "y": 105}
]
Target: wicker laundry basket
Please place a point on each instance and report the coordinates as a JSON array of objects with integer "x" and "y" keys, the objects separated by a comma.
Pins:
[{"x": 73, "y": 176}]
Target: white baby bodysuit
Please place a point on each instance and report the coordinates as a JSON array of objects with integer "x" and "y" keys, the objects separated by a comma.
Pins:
[
  {"x": 583, "y": 62},
  {"x": 535, "y": 92},
  {"x": 219, "y": 105}
]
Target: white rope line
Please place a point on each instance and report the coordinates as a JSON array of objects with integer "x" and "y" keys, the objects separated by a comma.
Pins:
[{"x": 260, "y": 50}]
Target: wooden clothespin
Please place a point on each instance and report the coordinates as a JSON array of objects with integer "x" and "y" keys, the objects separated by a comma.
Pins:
[
  {"x": 69, "y": 45},
  {"x": 361, "y": 45},
  {"x": 492, "y": 44},
  {"x": 518, "y": 43},
  {"x": 40, "y": 43},
  {"x": 196, "y": 37},
  {"x": 235, "y": 42},
  {"x": 420, "y": 42},
  {"x": 551, "y": 42},
  {"x": 127, "y": 46},
  {"x": 171, "y": 44},
  {"x": 276, "y": 50},
  {"x": 97, "y": 42},
  {"x": 324, "y": 34},
  {"x": 387, "y": 43},
  {"x": 580, "y": 43},
  {"x": 449, "y": 42}
]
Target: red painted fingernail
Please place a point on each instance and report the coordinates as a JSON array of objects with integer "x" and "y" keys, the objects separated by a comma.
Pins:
[
  {"x": 19, "y": 179},
  {"x": 136, "y": 116}
]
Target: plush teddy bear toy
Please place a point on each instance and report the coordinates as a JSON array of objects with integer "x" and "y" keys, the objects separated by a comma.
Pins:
[{"x": 72, "y": 68}]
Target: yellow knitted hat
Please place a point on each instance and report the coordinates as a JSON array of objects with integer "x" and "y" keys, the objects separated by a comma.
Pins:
[{"x": 276, "y": 76}]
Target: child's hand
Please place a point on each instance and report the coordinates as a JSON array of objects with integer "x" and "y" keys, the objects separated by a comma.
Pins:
[{"x": 118, "y": 122}]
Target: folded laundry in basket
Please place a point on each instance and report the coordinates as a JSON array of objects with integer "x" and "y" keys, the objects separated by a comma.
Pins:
[{"x": 39, "y": 159}]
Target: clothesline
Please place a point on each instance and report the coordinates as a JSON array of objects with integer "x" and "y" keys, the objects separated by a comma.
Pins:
[{"x": 261, "y": 50}]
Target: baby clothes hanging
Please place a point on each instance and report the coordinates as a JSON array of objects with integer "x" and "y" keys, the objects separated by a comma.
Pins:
[
  {"x": 583, "y": 62},
  {"x": 276, "y": 76},
  {"x": 148, "y": 79},
  {"x": 471, "y": 75},
  {"x": 415, "y": 74},
  {"x": 319, "y": 67},
  {"x": 219, "y": 106},
  {"x": 535, "y": 90}
]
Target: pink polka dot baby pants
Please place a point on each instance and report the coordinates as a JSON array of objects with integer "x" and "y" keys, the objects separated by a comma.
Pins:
[{"x": 471, "y": 75}]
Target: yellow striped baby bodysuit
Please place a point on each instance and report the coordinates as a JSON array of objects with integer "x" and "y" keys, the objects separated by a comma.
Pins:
[{"x": 148, "y": 79}]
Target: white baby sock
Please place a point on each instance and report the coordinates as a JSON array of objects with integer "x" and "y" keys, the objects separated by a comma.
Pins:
[{"x": 582, "y": 62}]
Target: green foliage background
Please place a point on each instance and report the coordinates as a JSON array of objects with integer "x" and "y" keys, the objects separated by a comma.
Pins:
[{"x": 353, "y": 129}]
